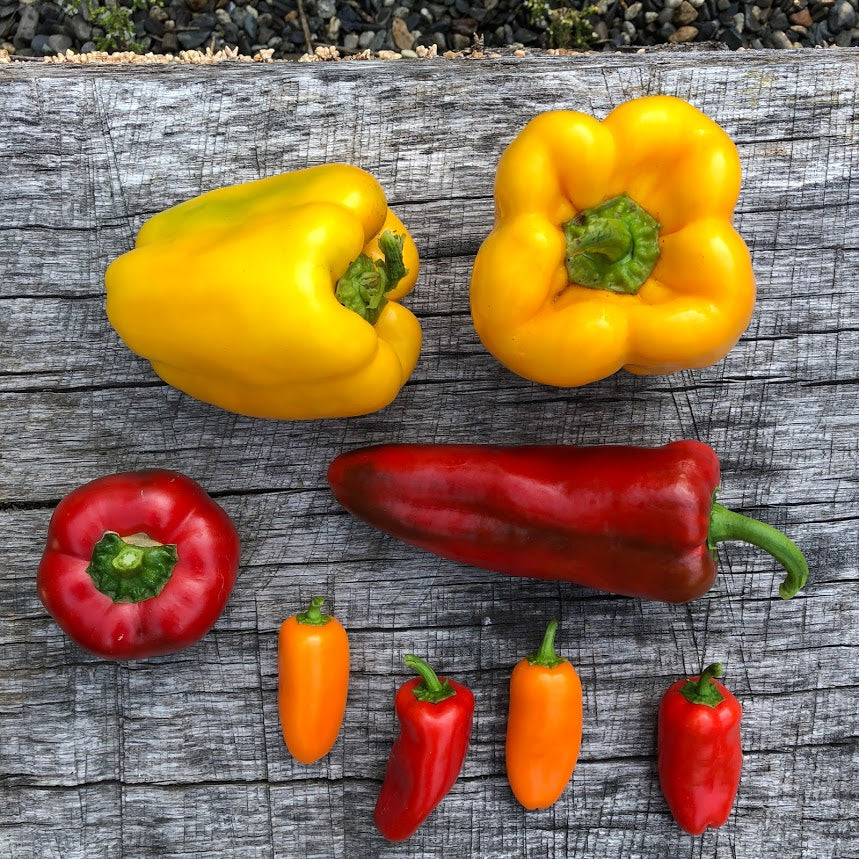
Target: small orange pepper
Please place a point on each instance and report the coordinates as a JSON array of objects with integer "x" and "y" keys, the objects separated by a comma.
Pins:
[
  {"x": 544, "y": 728},
  {"x": 313, "y": 681}
]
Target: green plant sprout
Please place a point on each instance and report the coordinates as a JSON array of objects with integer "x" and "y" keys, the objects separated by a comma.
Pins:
[
  {"x": 114, "y": 17},
  {"x": 565, "y": 26}
]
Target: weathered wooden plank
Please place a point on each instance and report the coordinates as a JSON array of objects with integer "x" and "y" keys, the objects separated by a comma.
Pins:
[
  {"x": 67, "y": 342},
  {"x": 182, "y": 755}
]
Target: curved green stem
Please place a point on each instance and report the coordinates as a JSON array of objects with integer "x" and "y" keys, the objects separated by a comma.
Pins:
[
  {"x": 703, "y": 690},
  {"x": 727, "y": 525},
  {"x": 313, "y": 616},
  {"x": 430, "y": 689},
  {"x": 364, "y": 285},
  {"x": 546, "y": 655},
  {"x": 131, "y": 569},
  {"x": 612, "y": 246}
]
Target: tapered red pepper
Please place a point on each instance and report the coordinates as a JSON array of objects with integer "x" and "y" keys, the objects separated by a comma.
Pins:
[
  {"x": 544, "y": 726},
  {"x": 699, "y": 750},
  {"x": 630, "y": 520},
  {"x": 435, "y": 727},
  {"x": 313, "y": 681},
  {"x": 138, "y": 564}
]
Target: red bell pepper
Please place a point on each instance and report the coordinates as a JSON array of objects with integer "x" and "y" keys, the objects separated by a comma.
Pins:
[
  {"x": 630, "y": 520},
  {"x": 699, "y": 751},
  {"x": 138, "y": 564},
  {"x": 426, "y": 758}
]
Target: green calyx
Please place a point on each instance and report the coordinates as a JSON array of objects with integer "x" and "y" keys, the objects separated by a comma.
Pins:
[
  {"x": 727, "y": 525},
  {"x": 430, "y": 689},
  {"x": 365, "y": 283},
  {"x": 612, "y": 246},
  {"x": 131, "y": 569},
  {"x": 704, "y": 690},
  {"x": 313, "y": 616},
  {"x": 546, "y": 655}
]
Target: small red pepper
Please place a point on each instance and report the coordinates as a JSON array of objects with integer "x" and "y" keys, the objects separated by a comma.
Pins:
[
  {"x": 630, "y": 520},
  {"x": 138, "y": 564},
  {"x": 426, "y": 758},
  {"x": 699, "y": 751}
]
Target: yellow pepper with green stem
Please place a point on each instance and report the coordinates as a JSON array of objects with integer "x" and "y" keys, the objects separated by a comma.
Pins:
[
  {"x": 276, "y": 298},
  {"x": 613, "y": 246}
]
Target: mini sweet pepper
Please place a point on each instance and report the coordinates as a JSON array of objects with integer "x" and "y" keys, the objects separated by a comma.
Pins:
[
  {"x": 275, "y": 298},
  {"x": 700, "y": 753},
  {"x": 435, "y": 717},
  {"x": 312, "y": 681},
  {"x": 613, "y": 246}
]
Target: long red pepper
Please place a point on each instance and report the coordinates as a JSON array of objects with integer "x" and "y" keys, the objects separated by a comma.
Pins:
[
  {"x": 435, "y": 726},
  {"x": 630, "y": 520},
  {"x": 699, "y": 750}
]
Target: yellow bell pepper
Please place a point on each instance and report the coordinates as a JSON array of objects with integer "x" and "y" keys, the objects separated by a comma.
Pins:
[
  {"x": 613, "y": 246},
  {"x": 275, "y": 298}
]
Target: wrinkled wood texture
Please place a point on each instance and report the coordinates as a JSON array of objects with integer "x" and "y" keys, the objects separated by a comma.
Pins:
[{"x": 181, "y": 756}]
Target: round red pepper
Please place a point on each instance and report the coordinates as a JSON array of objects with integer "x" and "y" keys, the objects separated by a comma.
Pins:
[
  {"x": 699, "y": 750},
  {"x": 435, "y": 726},
  {"x": 138, "y": 564}
]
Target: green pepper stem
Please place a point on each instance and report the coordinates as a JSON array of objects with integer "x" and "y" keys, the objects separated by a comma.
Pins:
[
  {"x": 313, "y": 616},
  {"x": 132, "y": 569},
  {"x": 612, "y": 246},
  {"x": 546, "y": 655},
  {"x": 727, "y": 525},
  {"x": 703, "y": 690},
  {"x": 364, "y": 285},
  {"x": 608, "y": 237},
  {"x": 430, "y": 689}
]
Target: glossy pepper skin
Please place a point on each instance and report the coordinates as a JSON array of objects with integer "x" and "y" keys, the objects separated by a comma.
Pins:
[
  {"x": 613, "y": 246},
  {"x": 313, "y": 681},
  {"x": 435, "y": 718},
  {"x": 544, "y": 725},
  {"x": 630, "y": 520},
  {"x": 699, "y": 750},
  {"x": 138, "y": 564},
  {"x": 264, "y": 298}
]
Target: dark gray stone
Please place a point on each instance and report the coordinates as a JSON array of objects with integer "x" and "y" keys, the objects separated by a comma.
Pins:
[
  {"x": 59, "y": 43},
  {"x": 778, "y": 20},
  {"x": 27, "y": 24},
  {"x": 842, "y": 17},
  {"x": 732, "y": 39},
  {"x": 80, "y": 28},
  {"x": 779, "y": 39},
  {"x": 251, "y": 27},
  {"x": 154, "y": 28},
  {"x": 189, "y": 39},
  {"x": 41, "y": 45}
]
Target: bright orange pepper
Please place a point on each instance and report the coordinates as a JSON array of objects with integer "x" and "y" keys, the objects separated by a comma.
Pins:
[
  {"x": 313, "y": 681},
  {"x": 544, "y": 727}
]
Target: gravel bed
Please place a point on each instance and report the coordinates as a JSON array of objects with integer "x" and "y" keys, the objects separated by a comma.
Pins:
[{"x": 407, "y": 28}]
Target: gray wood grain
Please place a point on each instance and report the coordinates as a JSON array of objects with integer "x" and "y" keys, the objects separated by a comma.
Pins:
[{"x": 181, "y": 756}]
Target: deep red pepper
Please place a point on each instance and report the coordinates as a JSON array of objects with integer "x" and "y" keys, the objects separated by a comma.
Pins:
[
  {"x": 138, "y": 564},
  {"x": 630, "y": 520},
  {"x": 699, "y": 750},
  {"x": 435, "y": 726}
]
